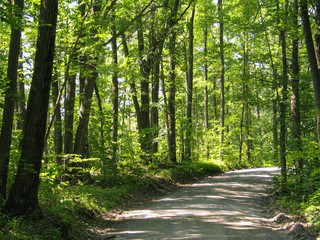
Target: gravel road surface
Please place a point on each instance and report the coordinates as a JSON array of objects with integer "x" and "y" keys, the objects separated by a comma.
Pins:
[{"x": 219, "y": 207}]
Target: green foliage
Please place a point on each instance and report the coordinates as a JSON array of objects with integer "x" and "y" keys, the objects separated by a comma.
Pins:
[
  {"x": 68, "y": 209},
  {"x": 250, "y": 29}
]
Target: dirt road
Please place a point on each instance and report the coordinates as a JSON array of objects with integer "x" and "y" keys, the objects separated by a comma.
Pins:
[{"x": 220, "y": 207}]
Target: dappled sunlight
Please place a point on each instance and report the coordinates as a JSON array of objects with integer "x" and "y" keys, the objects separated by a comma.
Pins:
[{"x": 222, "y": 207}]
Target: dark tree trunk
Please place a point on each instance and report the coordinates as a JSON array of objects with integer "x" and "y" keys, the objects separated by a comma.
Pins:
[
  {"x": 183, "y": 124},
  {"x": 188, "y": 148},
  {"x": 57, "y": 122},
  {"x": 311, "y": 55},
  {"x": 88, "y": 76},
  {"x": 221, "y": 79},
  {"x": 241, "y": 134},
  {"x": 102, "y": 140},
  {"x": 283, "y": 103},
  {"x": 317, "y": 49},
  {"x": 166, "y": 112},
  {"x": 80, "y": 143},
  {"x": 214, "y": 101},
  {"x": 69, "y": 114},
  {"x": 206, "y": 115},
  {"x": 9, "y": 101},
  {"x": 172, "y": 157},
  {"x": 155, "y": 99},
  {"x": 317, "y": 34},
  {"x": 146, "y": 143},
  {"x": 295, "y": 97},
  {"x": 246, "y": 108},
  {"x": 115, "y": 96},
  {"x": 22, "y": 99},
  {"x": 23, "y": 197},
  {"x": 247, "y": 119}
]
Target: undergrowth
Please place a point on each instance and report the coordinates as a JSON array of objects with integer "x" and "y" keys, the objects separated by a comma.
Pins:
[
  {"x": 69, "y": 209},
  {"x": 301, "y": 195}
]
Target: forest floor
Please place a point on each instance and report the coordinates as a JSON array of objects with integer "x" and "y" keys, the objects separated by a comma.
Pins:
[{"x": 234, "y": 205}]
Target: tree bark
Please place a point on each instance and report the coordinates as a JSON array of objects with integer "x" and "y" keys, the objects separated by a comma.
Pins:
[
  {"x": 311, "y": 55},
  {"x": 317, "y": 49},
  {"x": 69, "y": 113},
  {"x": 88, "y": 76},
  {"x": 206, "y": 99},
  {"x": 22, "y": 99},
  {"x": 23, "y": 197},
  {"x": 114, "y": 95},
  {"x": 9, "y": 101},
  {"x": 58, "y": 143},
  {"x": 222, "y": 102},
  {"x": 172, "y": 157},
  {"x": 85, "y": 106},
  {"x": 295, "y": 96},
  {"x": 188, "y": 148},
  {"x": 145, "y": 68},
  {"x": 102, "y": 140},
  {"x": 283, "y": 103}
]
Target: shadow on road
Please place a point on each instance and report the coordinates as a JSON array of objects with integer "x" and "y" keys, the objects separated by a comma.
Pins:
[{"x": 221, "y": 207}]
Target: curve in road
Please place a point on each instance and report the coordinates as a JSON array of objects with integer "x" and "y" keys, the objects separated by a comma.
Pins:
[{"x": 219, "y": 207}]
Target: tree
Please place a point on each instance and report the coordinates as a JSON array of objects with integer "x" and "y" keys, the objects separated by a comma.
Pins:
[
  {"x": 188, "y": 149},
  {"x": 172, "y": 156},
  {"x": 115, "y": 94},
  {"x": 283, "y": 103},
  {"x": 23, "y": 197},
  {"x": 222, "y": 102},
  {"x": 312, "y": 58},
  {"x": 88, "y": 76},
  {"x": 206, "y": 112},
  {"x": 58, "y": 143},
  {"x": 10, "y": 97},
  {"x": 295, "y": 96}
]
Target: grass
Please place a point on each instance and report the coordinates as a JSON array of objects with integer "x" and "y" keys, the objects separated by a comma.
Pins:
[{"x": 69, "y": 210}]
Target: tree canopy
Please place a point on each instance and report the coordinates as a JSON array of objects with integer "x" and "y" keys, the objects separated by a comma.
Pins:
[{"x": 139, "y": 86}]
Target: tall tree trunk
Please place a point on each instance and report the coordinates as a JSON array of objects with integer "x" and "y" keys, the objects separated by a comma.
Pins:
[
  {"x": 317, "y": 49},
  {"x": 295, "y": 97},
  {"x": 9, "y": 101},
  {"x": 172, "y": 157},
  {"x": 87, "y": 77},
  {"x": 311, "y": 55},
  {"x": 283, "y": 103},
  {"x": 57, "y": 121},
  {"x": 21, "y": 108},
  {"x": 188, "y": 149},
  {"x": 85, "y": 106},
  {"x": 222, "y": 103},
  {"x": 183, "y": 124},
  {"x": 241, "y": 134},
  {"x": 206, "y": 115},
  {"x": 247, "y": 119},
  {"x": 115, "y": 96},
  {"x": 69, "y": 113},
  {"x": 146, "y": 143},
  {"x": 102, "y": 140},
  {"x": 246, "y": 108},
  {"x": 155, "y": 99},
  {"x": 214, "y": 101},
  {"x": 23, "y": 197},
  {"x": 166, "y": 112}
]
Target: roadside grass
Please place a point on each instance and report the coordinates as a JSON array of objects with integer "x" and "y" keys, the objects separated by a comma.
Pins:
[
  {"x": 301, "y": 197},
  {"x": 68, "y": 210}
]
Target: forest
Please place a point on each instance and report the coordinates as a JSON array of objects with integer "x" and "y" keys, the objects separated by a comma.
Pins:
[{"x": 101, "y": 100}]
